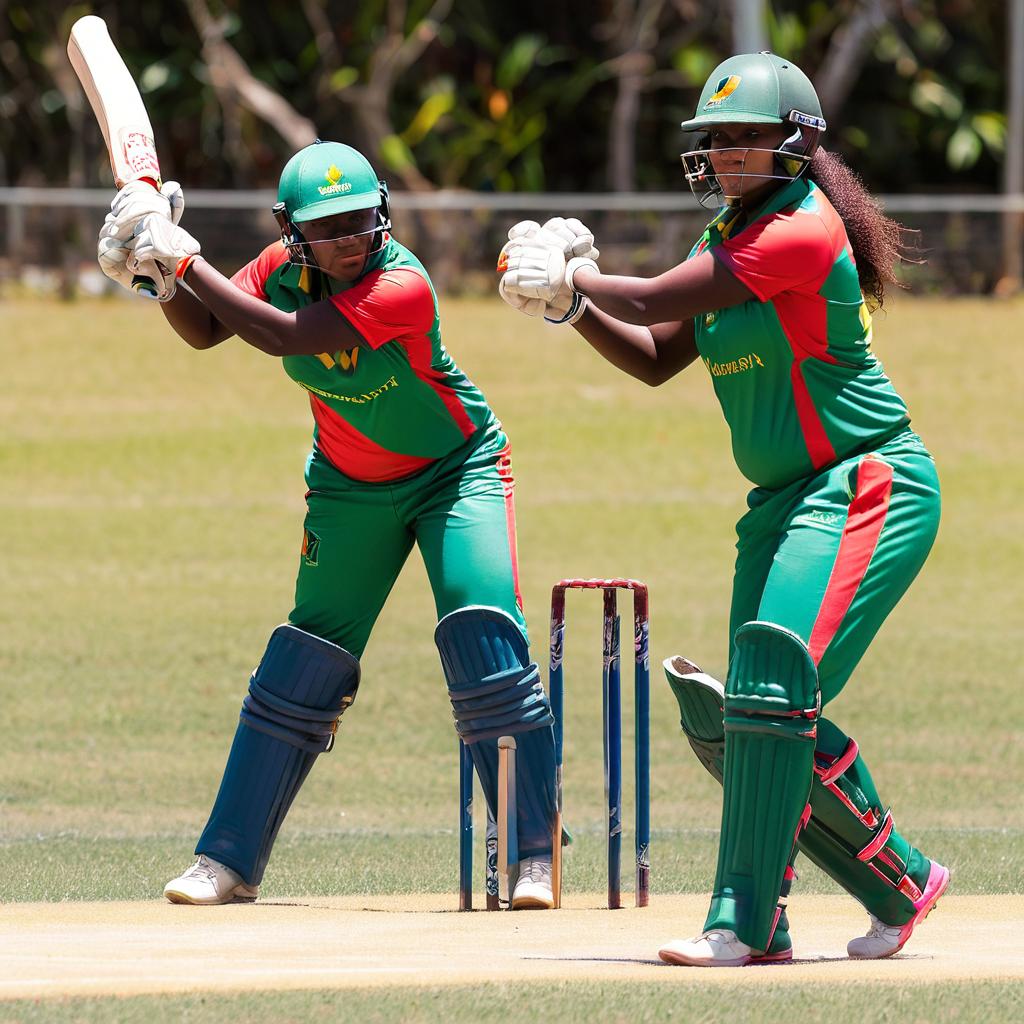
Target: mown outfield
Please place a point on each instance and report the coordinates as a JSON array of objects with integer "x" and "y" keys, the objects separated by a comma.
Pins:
[{"x": 151, "y": 516}]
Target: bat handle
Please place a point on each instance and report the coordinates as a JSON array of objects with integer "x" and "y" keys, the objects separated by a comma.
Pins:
[{"x": 145, "y": 286}]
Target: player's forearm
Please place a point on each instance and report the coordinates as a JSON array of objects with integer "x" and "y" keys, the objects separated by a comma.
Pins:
[
  {"x": 192, "y": 321},
  {"x": 627, "y": 299},
  {"x": 693, "y": 287},
  {"x": 316, "y": 328},
  {"x": 626, "y": 346},
  {"x": 651, "y": 354}
]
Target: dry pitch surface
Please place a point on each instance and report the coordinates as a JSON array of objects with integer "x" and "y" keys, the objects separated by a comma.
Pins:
[{"x": 74, "y": 949}]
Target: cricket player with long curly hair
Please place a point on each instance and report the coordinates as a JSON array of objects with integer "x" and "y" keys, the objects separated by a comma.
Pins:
[
  {"x": 775, "y": 300},
  {"x": 405, "y": 451}
]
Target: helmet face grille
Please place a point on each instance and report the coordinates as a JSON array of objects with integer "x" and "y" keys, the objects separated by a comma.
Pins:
[
  {"x": 301, "y": 252},
  {"x": 791, "y": 159}
]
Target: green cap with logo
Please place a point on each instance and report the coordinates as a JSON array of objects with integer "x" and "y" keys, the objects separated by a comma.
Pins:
[
  {"x": 755, "y": 88},
  {"x": 327, "y": 178}
]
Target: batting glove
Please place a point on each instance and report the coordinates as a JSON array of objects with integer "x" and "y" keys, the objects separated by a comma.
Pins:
[
  {"x": 577, "y": 238},
  {"x": 159, "y": 247},
  {"x": 533, "y": 266},
  {"x": 112, "y": 255},
  {"x": 138, "y": 199}
]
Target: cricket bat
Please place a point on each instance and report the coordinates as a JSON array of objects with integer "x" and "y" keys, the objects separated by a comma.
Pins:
[{"x": 120, "y": 112}]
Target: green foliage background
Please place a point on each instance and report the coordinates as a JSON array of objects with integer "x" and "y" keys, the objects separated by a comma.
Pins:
[{"x": 505, "y": 96}]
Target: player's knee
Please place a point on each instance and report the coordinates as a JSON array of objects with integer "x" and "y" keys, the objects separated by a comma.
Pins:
[
  {"x": 494, "y": 687},
  {"x": 772, "y": 683},
  {"x": 301, "y": 688}
]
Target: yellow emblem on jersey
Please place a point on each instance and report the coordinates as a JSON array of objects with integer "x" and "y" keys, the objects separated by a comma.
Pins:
[
  {"x": 725, "y": 88},
  {"x": 345, "y": 359}
]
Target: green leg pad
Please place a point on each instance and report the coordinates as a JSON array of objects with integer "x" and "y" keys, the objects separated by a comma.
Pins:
[
  {"x": 771, "y": 710},
  {"x": 701, "y": 700},
  {"x": 851, "y": 836},
  {"x": 842, "y": 823}
]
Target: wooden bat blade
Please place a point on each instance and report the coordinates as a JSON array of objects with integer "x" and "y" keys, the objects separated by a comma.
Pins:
[{"x": 116, "y": 102}]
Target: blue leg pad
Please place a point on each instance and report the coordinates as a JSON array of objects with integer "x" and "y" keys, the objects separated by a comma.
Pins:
[
  {"x": 496, "y": 691},
  {"x": 296, "y": 696}
]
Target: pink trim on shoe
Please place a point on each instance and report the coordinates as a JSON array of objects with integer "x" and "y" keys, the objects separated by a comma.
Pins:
[
  {"x": 669, "y": 956},
  {"x": 781, "y": 956},
  {"x": 938, "y": 881}
]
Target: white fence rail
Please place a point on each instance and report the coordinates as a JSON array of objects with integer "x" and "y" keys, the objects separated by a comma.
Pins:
[
  {"x": 48, "y": 234},
  {"x": 449, "y": 199}
]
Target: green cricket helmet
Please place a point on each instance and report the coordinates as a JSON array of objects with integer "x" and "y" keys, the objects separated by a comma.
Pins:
[
  {"x": 754, "y": 88},
  {"x": 322, "y": 180}
]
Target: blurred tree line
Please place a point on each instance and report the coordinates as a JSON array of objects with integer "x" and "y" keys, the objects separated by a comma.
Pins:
[{"x": 488, "y": 95}]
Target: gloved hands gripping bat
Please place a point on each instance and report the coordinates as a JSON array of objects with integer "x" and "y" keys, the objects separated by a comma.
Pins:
[{"x": 134, "y": 202}]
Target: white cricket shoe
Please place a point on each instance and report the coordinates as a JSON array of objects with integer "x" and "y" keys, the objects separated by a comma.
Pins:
[
  {"x": 207, "y": 883},
  {"x": 719, "y": 947},
  {"x": 883, "y": 939},
  {"x": 533, "y": 886}
]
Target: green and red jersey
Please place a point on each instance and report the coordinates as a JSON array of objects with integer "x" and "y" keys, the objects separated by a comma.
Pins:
[
  {"x": 793, "y": 370},
  {"x": 395, "y": 404}
]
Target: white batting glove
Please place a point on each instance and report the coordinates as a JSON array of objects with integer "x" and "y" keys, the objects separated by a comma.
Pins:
[
  {"x": 533, "y": 266},
  {"x": 135, "y": 201},
  {"x": 577, "y": 238},
  {"x": 524, "y": 230},
  {"x": 159, "y": 248},
  {"x": 139, "y": 199},
  {"x": 112, "y": 254}
]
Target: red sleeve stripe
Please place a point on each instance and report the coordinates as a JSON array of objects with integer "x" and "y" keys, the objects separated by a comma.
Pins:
[{"x": 864, "y": 524}]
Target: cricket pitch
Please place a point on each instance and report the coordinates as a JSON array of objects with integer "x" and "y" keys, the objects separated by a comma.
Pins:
[{"x": 96, "y": 949}]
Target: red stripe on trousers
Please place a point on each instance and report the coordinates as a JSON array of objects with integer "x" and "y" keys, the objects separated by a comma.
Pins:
[
  {"x": 860, "y": 536},
  {"x": 508, "y": 485}
]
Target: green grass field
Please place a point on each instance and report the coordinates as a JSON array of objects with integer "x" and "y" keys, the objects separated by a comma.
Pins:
[{"x": 151, "y": 509}]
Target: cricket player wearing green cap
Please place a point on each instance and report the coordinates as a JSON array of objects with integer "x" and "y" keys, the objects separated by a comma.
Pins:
[
  {"x": 406, "y": 451},
  {"x": 775, "y": 300}
]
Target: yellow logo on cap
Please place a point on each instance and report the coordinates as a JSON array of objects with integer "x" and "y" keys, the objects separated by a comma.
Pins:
[
  {"x": 725, "y": 88},
  {"x": 335, "y": 186}
]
